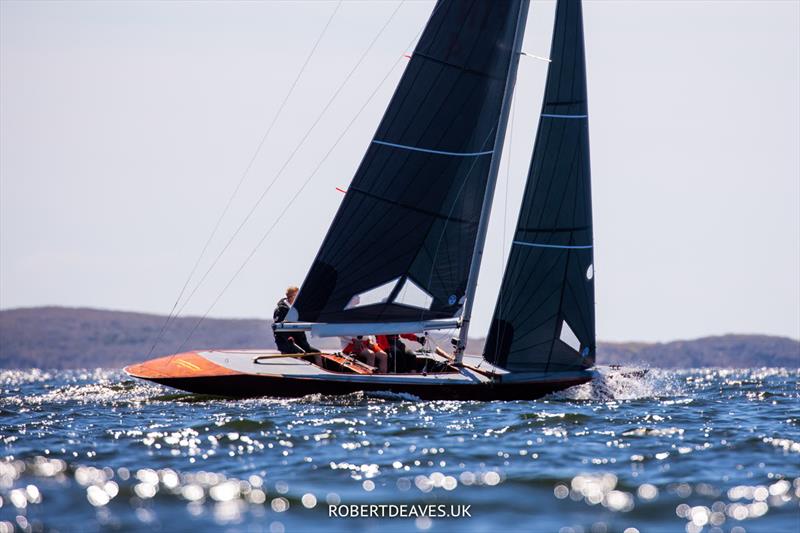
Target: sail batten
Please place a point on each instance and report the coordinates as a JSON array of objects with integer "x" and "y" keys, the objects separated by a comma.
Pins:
[
  {"x": 431, "y": 151},
  {"x": 551, "y": 115},
  {"x": 414, "y": 208},
  {"x": 544, "y": 316},
  {"x": 558, "y": 246}
]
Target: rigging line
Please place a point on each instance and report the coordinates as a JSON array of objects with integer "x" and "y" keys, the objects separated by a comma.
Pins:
[
  {"x": 532, "y": 270},
  {"x": 450, "y": 214},
  {"x": 547, "y": 132},
  {"x": 503, "y": 255},
  {"x": 294, "y": 198},
  {"x": 551, "y": 271},
  {"x": 564, "y": 283},
  {"x": 327, "y": 243},
  {"x": 291, "y": 156},
  {"x": 410, "y": 45},
  {"x": 330, "y": 242},
  {"x": 451, "y": 210},
  {"x": 244, "y": 175},
  {"x": 402, "y": 168}
]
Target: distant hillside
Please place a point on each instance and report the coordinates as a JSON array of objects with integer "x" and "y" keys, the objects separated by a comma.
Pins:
[
  {"x": 734, "y": 351},
  {"x": 58, "y": 337},
  {"x": 737, "y": 351}
]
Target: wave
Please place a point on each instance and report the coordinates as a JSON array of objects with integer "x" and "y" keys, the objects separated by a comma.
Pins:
[{"x": 623, "y": 383}]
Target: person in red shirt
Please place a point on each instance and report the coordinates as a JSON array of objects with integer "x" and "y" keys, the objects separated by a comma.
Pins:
[
  {"x": 365, "y": 349},
  {"x": 384, "y": 344}
]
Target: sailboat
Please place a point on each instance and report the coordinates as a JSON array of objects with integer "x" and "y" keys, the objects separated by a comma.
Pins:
[{"x": 422, "y": 195}]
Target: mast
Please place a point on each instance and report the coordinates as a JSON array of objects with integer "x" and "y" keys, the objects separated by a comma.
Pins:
[{"x": 494, "y": 168}]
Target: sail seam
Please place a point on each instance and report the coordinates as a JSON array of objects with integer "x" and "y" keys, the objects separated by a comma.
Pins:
[
  {"x": 563, "y": 246},
  {"x": 565, "y": 102},
  {"x": 429, "y": 151},
  {"x": 462, "y": 68},
  {"x": 553, "y": 230},
  {"x": 411, "y": 207}
]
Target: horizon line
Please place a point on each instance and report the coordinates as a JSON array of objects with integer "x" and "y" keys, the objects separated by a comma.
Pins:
[{"x": 159, "y": 315}]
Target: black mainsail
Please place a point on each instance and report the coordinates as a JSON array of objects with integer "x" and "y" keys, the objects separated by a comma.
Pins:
[
  {"x": 544, "y": 318},
  {"x": 400, "y": 247}
]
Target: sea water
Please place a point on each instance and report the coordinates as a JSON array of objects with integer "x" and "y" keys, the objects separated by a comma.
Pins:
[{"x": 698, "y": 450}]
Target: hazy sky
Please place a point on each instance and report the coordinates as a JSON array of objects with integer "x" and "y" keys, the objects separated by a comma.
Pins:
[{"x": 124, "y": 128}]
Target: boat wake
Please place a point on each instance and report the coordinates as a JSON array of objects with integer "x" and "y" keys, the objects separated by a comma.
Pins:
[
  {"x": 388, "y": 395},
  {"x": 621, "y": 383}
]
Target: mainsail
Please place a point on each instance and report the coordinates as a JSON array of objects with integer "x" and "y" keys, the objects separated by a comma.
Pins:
[
  {"x": 399, "y": 248},
  {"x": 544, "y": 318}
]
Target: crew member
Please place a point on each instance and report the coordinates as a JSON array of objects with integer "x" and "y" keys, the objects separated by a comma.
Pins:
[
  {"x": 401, "y": 359},
  {"x": 365, "y": 349},
  {"x": 296, "y": 341}
]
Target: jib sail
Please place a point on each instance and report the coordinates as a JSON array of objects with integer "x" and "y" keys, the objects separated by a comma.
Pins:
[{"x": 544, "y": 318}]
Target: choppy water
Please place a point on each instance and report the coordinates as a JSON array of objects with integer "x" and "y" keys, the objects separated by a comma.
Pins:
[{"x": 701, "y": 450}]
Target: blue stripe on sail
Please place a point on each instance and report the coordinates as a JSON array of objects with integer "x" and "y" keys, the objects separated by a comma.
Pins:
[
  {"x": 548, "y": 115},
  {"x": 562, "y": 246},
  {"x": 426, "y": 150}
]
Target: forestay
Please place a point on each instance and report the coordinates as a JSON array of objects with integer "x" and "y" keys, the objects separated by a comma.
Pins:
[
  {"x": 544, "y": 318},
  {"x": 399, "y": 248}
]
